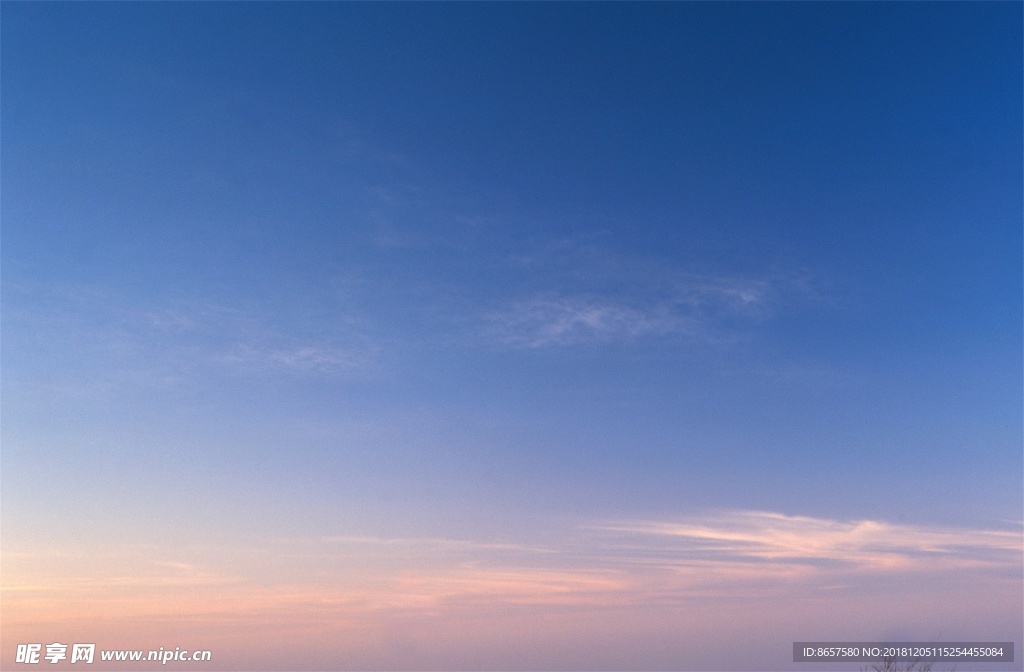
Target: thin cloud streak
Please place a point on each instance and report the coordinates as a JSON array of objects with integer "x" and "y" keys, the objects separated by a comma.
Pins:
[
  {"x": 734, "y": 553},
  {"x": 298, "y": 357},
  {"x": 701, "y": 573},
  {"x": 704, "y": 308},
  {"x": 543, "y": 322},
  {"x": 865, "y": 545},
  {"x": 433, "y": 543},
  {"x": 158, "y": 346}
]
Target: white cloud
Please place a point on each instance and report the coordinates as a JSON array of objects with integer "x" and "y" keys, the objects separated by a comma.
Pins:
[
  {"x": 699, "y": 307},
  {"x": 297, "y": 357},
  {"x": 545, "y": 322},
  {"x": 773, "y": 539}
]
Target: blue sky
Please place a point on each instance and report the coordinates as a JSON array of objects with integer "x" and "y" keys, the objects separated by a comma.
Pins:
[{"x": 509, "y": 272}]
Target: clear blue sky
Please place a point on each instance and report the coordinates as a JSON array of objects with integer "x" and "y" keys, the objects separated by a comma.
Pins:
[{"x": 490, "y": 271}]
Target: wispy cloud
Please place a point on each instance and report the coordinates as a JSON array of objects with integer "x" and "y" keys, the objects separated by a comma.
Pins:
[
  {"x": 720, "y": 555},
  {"x": 434, "y": 543},
  {"x": 597, "y": 288},
  {"x": 685, "y": 568},
  {"x": 709, "y": 554},
  {"x": 664, "y": 561},
  {"x": 545, "y": 322},
  {"x": 699, "y": 307},
  {"x": 866, "y": 546},
  {"x": 296, "y": 357},
  {"x": 110, "y": 341}
]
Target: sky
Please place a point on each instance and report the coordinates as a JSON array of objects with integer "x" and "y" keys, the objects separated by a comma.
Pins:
[{"x": 510, "y": 336}]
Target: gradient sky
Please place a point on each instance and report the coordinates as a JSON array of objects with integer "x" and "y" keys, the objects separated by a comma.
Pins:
[{"x": 511, "y": 336}]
